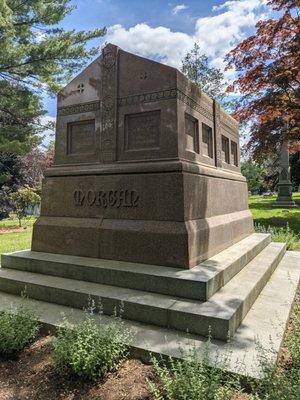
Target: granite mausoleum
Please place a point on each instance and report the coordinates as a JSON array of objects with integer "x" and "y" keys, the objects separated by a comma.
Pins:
[
  {"x": 146, "y": 168},
  {"x": 145, "y": 207}
]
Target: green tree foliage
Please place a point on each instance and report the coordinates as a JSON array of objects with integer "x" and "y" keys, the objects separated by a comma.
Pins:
[
  {"x": 267, "y": 77},
  {"x": 197, "y": 68},
  {"x": 255, "y": 175},
  {"x": 23, "y": 199},
  {"x": 18, "y": 171},
  {"x": 20, "y": 110},
  {"x": 11, "y": 178},
  {"x": 35, "y": 54}
]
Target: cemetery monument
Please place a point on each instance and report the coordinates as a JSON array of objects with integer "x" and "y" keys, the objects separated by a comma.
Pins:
[
  {"x": 145, "y": 205},
  {"x": 285, "y": 186},
  {"x": 150, "y": 174}
]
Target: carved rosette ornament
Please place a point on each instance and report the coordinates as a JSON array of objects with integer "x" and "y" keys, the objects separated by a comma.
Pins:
[
  {"x": 109, "y": 103},
  {"x": 218, "y": 141}
]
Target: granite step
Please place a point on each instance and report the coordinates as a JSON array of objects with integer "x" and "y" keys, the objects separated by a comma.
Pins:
[
  {"x": 199, "y": 283},
  {"x": 221, "y": 314},
  {"x": 265, "y": 321}
]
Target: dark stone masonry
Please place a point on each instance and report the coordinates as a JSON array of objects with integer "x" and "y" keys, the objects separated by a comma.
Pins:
[{"x": 146, "y": 168}]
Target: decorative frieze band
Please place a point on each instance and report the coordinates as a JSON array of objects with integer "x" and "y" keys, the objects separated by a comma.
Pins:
[
  {"x": 165, "y": 95},
  {"x": 192, "y": 103},
  {"x": 148, "y": 98},
  {"x": 228, "y": 122},
  {"x": 79, "y": 108}
]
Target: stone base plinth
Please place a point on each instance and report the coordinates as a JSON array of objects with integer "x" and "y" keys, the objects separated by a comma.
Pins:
[
  {"x": 284, "y": 199},
  {"x": 170, "y": 218}
]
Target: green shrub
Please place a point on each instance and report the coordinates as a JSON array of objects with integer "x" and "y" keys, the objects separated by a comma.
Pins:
[
  {"x": 190, "y": 379},
  {"x": 293, "y": 340},
  {"x": 283, "y": 382},
  {"x": 90, "y": 350},
  {"x": 280, "y": 234},
  {"x": 17, "y": 330}
]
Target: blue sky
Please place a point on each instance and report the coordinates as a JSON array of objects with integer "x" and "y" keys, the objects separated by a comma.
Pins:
[
  {"x": 130, "y": 12},
  {"x": 165, "y": 30}
]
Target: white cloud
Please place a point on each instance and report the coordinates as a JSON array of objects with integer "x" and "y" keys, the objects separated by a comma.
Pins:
[
  {"x": 216, "y": 34},
  {"x": 178, "y": 8},
  {"x": 243, "y": 4},
  {"x": 158, "y": 43}
]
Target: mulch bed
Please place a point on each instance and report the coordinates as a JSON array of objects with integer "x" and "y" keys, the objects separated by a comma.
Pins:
[{"x": 32, "y": 376}]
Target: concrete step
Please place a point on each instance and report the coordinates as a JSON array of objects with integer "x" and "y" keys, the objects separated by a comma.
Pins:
[
  {"x": 221, "y": 314},
  {"x": 199, "y": 283},
  {"x": 265, "y": 322}
]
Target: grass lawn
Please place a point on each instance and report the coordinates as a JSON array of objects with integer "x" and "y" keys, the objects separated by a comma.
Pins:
[
  {"x": 265, "y": 214},
  {"x": 12, "y": 222},
  {"x": 14, "y": 239}
]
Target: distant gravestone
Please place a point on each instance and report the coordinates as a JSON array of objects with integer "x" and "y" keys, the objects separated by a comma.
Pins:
[
  {"x": 285, "y": 186},
  {"x": 146, "y": 168}
]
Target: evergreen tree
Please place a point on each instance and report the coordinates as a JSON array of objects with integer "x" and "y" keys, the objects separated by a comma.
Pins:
[{"x": 35, "y": 54}]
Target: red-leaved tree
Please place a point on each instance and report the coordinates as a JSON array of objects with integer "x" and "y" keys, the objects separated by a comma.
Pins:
[{"x": 268, "y": 77}]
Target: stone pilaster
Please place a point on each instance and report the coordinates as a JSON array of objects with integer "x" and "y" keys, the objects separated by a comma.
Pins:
[
  {"x": 217, "y": 125},
  {"x": 109, "y": 71}
]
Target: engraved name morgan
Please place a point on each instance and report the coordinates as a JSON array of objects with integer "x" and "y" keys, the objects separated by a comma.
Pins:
[{"x": 106, "y": 199}]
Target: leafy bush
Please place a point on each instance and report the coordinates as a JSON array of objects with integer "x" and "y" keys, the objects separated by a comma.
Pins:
[
  {"x": 280, "y": 234},
  {"x": 90, "y": 350},
  {"x": 17, "y": 330},
  {"x": 22, "y": 199},
  {"x": 190, "y": 379}
]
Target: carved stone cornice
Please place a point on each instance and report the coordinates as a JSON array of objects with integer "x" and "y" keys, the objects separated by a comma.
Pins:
[
  {"x": 229, "y": 122},
  {"x": 148, "y": 97},
  {"x": 193, "y": 104},
  {"x": 79, "y": 108},
  {"x": 166, "y": 94}
]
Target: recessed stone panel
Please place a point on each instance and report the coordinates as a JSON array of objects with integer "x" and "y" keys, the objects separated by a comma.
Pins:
[
  {"x": 81, "y": 137},
  {"x": 192, "y": 133},
  {"x": 234, "y": 153},
  {"x": 142, "y": 131},
  {"x": 225, "y": 150},
  {"x": 207, "y": 141}
]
